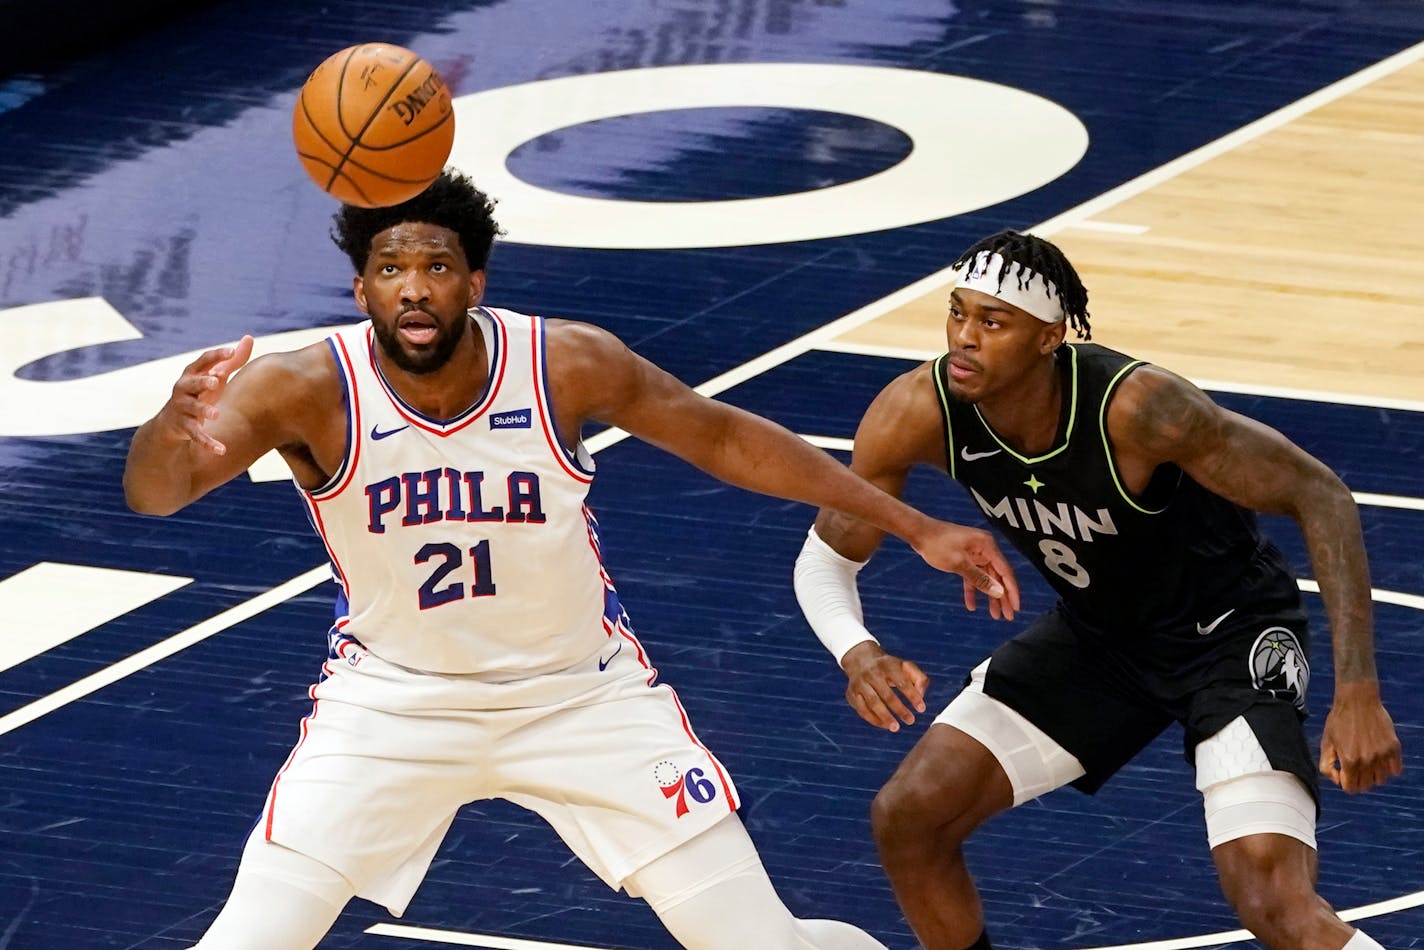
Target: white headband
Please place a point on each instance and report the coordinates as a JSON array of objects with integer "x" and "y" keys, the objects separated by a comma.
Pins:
[{"x": 985, "y": 273}]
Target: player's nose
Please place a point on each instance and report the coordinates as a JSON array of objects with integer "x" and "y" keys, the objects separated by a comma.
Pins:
[{"x": 414, "y": 288}]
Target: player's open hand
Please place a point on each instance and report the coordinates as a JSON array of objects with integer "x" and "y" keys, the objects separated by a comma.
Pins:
[
  {"x": 883, "y": 689},
  {"x": 973, "y": 554},
  {"x": 1359, "y": 748},
  {"x": 194, "y": 401}
]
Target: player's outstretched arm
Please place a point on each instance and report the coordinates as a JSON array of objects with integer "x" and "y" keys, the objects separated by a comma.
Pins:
[
  {"x": 213, "y": 426},
  {"x": 596, "y": 377},
  {"x": 1158, "y": 417}
]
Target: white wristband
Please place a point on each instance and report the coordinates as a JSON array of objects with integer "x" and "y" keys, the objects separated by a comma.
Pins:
[{"x": 825, "y": 589}]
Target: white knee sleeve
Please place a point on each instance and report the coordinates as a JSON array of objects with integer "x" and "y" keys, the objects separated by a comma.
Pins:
[
  {"x": 1242, "y": 795},
  {"x": 1034, "y": 763},
  {"x": 1361, "y": 941},
  {"x": 712, "y": 893},
  {"x": 281, "y": 900}
]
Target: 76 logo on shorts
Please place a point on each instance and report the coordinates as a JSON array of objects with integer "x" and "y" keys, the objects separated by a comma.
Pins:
[{"x": 674, "y": 784}]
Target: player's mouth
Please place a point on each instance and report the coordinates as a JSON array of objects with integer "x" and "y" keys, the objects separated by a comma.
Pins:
[
  {"x": 961, "y": 369},
  {"x": 417, "y": 328}
]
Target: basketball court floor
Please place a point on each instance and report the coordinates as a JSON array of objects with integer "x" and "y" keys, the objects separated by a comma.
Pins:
[{"x": 761, "y": 196}]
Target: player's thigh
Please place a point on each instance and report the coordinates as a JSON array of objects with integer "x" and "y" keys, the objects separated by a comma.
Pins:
[
  {"x": 1055, "y": 710},
  {"x": 370, "y": 789},
  {"x": 623, "y": 780},
  {"x": 947, "y": 785}
]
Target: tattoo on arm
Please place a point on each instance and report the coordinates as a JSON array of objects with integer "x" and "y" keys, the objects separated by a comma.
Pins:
[{"x": 1257, "y": 467}]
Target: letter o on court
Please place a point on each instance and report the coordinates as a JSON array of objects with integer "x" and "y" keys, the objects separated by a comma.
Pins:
[{"x": 975, "y": 144}]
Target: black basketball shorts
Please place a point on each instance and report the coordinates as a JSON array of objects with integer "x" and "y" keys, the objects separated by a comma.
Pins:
[{"x": 1104, "y": 706}]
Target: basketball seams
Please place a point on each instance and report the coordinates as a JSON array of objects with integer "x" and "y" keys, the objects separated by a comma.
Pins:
[
  {"x": 447, "y": 117},
  {"x": 340, "y": 90},
  {"x": 316, "y": 130}
]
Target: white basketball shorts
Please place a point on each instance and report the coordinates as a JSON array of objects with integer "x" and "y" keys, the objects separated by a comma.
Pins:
[{"x": 388, "y": 755}]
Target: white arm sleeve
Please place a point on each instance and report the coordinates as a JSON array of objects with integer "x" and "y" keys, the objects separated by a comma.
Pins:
[{"x": 825, "y": 589}]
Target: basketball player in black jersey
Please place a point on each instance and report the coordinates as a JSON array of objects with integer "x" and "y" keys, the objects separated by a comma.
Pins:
[{"x": 1133, "y": 493}]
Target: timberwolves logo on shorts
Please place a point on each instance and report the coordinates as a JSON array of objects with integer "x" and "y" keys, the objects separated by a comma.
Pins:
[{"x": 1279, "y": 666}]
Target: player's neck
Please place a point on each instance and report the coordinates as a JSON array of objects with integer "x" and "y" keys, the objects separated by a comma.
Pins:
[{"x": 1027, "y": 415}]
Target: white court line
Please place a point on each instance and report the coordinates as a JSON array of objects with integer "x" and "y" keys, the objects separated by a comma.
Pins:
[
  {"x": 456, "y": 938},
  {"x": 1389, "y": 501},
  {"x": 830, "y": 442},
  {"x": 48, "y": 604},
  {"x": 1395, "y": 597},
  {"x": 163, "y": 649}
]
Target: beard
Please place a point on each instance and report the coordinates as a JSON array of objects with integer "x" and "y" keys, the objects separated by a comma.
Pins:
[{"x": 427, "y": 359}]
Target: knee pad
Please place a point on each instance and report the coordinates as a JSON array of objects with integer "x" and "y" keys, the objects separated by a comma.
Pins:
[
  {"x": 1034, "y": 763},
  {"x": 1243, "y": 795}
]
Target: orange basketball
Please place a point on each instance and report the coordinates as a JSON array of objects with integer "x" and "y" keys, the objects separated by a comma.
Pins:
[{"x": 373, "y": 125}]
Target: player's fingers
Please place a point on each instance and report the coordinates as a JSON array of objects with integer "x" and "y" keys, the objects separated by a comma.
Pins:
[
  {"x": 1327, "y": 760},
  {"x": 236, "y": 355},
  {"x": 1010, "y": 583},
  {"x": 910, "y": 683},
  {"x": 200, "y": 435},
  {"x": 885, "y": 691},
  {"x": 207, "y": 360},
  {"x": 869, "y": 708},
  {"x": 917, "y": 676},
  {"x": 195, "y": 385},
  {"x": 984, "y": 581},
  {"x": 971, "y": 596}
]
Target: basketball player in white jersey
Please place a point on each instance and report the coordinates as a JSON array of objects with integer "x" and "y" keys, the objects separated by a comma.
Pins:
[{"x": 479, "y": 648}]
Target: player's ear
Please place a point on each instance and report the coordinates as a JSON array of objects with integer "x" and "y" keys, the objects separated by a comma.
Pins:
[
  {"x": 477, "y": 286},
  {"x": 358, "y": 290},
  {"x": 1052, "y": 337}
]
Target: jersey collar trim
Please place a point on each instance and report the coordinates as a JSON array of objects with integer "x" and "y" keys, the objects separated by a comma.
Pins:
[
  {"x": 444, "y": 427},
  {"x": 1067, "y": 431}
]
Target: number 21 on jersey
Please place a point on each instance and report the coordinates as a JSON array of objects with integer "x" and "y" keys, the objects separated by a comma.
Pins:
[{"x": 450, "y": 559}]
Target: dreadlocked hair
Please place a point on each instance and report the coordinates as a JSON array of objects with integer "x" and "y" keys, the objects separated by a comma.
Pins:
[
  {"x": 451, "y": 201},
  {"x": 1041, "y": 257}
]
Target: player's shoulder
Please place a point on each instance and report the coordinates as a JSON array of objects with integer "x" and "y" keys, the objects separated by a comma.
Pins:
[
  {"x": 573, "y": 346},
  {"x": 303, "y": 377},
  {"x": 914, "y": 392},
  {"x": 903, "y": 425},
  {"x": 1156, "y": 410}
]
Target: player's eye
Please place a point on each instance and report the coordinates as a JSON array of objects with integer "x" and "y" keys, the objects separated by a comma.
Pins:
[
  {"x": 440, "y": 267},
  {"x": 389, "y": 269}
]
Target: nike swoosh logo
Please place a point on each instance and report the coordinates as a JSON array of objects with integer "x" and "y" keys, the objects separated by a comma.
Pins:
[
  {"x": 603, "y": 664},
  {"x": 969, "y": 456},
  {"x": 378, "y": 435},
  {"x": 1211, "y": 627}
]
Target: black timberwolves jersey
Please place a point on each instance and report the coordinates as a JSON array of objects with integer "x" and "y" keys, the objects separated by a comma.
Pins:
[{"x": 1130, "y": 569}]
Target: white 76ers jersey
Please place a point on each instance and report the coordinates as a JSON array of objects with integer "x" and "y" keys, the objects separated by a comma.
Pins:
[{"x": 463, "y": 545}]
